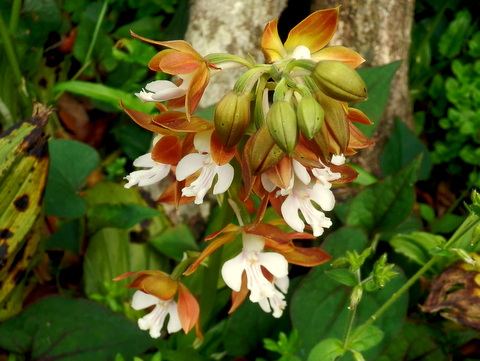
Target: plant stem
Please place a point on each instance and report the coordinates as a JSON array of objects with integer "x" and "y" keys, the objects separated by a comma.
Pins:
[
  {"x": 400, "y": 292},
  {"x": 10, "y": 52},
  {"x": 14, "y": 16},
  {"x": 88, "y": 57},
  {"x": 351, "y": 315}
]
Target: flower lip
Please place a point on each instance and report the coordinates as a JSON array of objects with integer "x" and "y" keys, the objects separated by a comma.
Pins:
[{"x": 161, "y": 90}]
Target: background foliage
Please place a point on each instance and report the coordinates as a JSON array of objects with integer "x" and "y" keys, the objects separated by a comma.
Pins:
[{"x": 56, "y": 263}]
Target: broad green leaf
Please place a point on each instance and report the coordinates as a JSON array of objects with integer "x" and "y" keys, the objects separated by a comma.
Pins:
[
  {"x": 415, "y": 342},
  {"x": 319, "y": 306},
  {"x": 124, "y": 215},
  {"x": 453, "y": 39},
  {"x": 68, "y": 236},
  {"x": 111, "y": 251},
  {"x": 71, "y": 162},
  {"x": 62, "y": 328},
  {"x": 175, "y": 241},
  {"x": 417, "y": 245},
  {"x": 364, "y": 339},
  {"x": 447, "y": 224},
  {"x": 378, "y": 81},
  {"x": 385, "y": 204},
  {"x": 327, "y": 350},
  {"x": 103, "y": 93},
  {"x": 23, "y": 175},
  {"x": 344, "y": 276},
  {"x": 401, "y": 148}
]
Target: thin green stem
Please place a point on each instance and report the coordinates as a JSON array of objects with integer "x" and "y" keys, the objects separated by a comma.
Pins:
[
  {"x": 88, "y": 56},
  {"x": 351, "y": 315},
  {"x": 10, "y": 52},
  {"x": 14, "y": 16},
  {"x": 400, "y": 292}
]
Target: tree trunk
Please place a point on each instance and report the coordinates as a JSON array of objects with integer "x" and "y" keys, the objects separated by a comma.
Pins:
[
  {"x": 380, "y": 31},
  {"x": 229, "y": 26}
]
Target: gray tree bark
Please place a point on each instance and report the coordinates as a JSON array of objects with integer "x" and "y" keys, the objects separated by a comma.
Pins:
[
  {"x": 229, "y": 26},
  {"x": 380, "y": 31}
]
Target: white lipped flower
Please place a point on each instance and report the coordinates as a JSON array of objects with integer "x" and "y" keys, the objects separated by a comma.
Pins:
[
  {"x": 251, "y": 260},
  {"x": 154, "y": 173},
  {"x": 145, "y": 177},
  {"x": 193, "y": 162},
  {"x": 276, "y": 303},
  {"x": 153, "y": 322},
  {"x": 300, "y": 195},
  {"x": 163, "y": 90}
]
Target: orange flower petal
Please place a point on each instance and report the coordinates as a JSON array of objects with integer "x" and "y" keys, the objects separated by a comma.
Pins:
[
  {"x": 167, "y": 150},
  {"x": 239, "y": 297},
  {"x": 272, "y": 46},
  {"x": 339, "y": 53},
  {"x": 177, "y": 63},
  {"x": 314, "y": 32},
  {"x": 188, "y": 309},
  {"x": 177, "y": 122},
  {"x": 146, "y": 121},
  {"x": 154, "y": 63},
  {"x": 358, "y": 140},
  {"x": 269, "y": 232},
  {"x": 179, "y": 45},
  {"x": 212, "y": 246},
  {"x": 156, "y": 283},
  {"x": 357, "y": 116},
  {"x": 281, "y": 173},
  {"x": 197, "y": 86},
  {"x": 307, "y": 257},
  {"x": 220, "y": 154}
]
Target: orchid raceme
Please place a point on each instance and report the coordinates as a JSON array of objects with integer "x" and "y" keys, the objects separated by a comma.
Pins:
[{"x": 277, "y": 141}]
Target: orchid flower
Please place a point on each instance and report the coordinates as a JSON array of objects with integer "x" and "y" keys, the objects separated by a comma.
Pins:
[
  {"x": 182, "y": 60},
  {"x": 162, "y": 90},
  {"x": 156, "y": 318},
  {"x": 251, "y": 261},
  {"x": 155, "y": 173},
  {"x": 156, "y": 288},
  {"x": 300, "y": 195},
  {"x": 193, "y": 162},
  {"x": 308, "y": 40}
]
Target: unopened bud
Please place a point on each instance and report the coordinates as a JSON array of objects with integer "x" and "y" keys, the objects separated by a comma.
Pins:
[
  {"x": 310, "y": 116},
  {"x": 355, "y": 297},
  {"x": 282, "y": 125},
  {"x": 263, "y": 153},
  {"x": 339, "y": 81},
  {"x": 232, "y": 117}
]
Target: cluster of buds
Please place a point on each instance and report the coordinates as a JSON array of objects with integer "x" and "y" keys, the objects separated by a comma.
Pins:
[{"x": 282, "y": 134}]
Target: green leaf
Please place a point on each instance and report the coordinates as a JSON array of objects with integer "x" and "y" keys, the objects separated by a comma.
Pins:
[
  {"x": 124, "y": 215},
  {"x": 417, "y": 245},
  {"x": 327, "y": 350},
  {"x": 401, "y": 148},
  {"x": 71, "y": 162},
  {"x": 68, "y": 236},
  {"x": 378, "y": 81},
  {"x": 385, "y": 204},
  {"x": 364, "y": 339},
  {"x": 453, "y": 39},
  {"x": 319, "y": 306},
  {"x": 415, "y": 342},
  {"x": 344, "y": 276},
  {"x": 175, "y": 241},
  {"x": 61, "y": 328},
  {"x": 103, "y": 93},
  {"x": 447, "y": 224}
]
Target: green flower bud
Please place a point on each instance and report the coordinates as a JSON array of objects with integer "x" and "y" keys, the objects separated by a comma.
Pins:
[
  {"x": 310, "y": 116},
  {"x": 282, "y": 125},
  {"x": 339, "y": 81},
  {"x": 262, "y": 152},
  {"x": 232, "y": 117}
]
